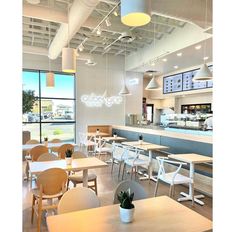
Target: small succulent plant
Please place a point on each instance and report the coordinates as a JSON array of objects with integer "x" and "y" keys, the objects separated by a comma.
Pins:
[
  {"x": 45, "y": 139},
  {"x": 68, "y": 153},
  {"x": 125, "y": 198},
  {"x": 140, "y": 137}
]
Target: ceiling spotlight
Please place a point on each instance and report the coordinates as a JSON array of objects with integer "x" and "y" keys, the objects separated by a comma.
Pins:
[
  {"x": 179, "y": 54},
  {"x": 175, "y": 67},
  {"x": 165, "y": 59},
  {"x": 115, "y": 13},
  {"x": 152, "y": 63},
  {"x": 198, "y": 47},
  {"x": 205, "y": 58},
  {"x": 98, "y": 32},
  {"x": 108, "y": 23},
  {"x": 81, "y": 47}
]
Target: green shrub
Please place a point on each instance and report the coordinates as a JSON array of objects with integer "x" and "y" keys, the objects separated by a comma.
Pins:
[{"x": 57, "y": 132}]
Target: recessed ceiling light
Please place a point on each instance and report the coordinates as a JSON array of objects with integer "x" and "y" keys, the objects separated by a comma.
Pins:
[
  {"x": 81, "y": 47},
  {"x": 205, "y": 58},
  {"x": 198, "y": 47},
  {"x": 175, "y": 66},
  {"x": 165, "y": 59},
  {"x": 179, "y": 54},
  {"x": 98, "y": 32},
  {"x": 115, "y": 13}
]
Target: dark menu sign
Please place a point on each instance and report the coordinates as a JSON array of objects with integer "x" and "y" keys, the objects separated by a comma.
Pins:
[{"x": 183, "y": 82}]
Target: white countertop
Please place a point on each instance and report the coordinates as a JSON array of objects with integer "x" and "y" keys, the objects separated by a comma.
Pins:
[{"x": 172, "y": 134}]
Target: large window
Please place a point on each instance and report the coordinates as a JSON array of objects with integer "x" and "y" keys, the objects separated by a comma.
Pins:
[{"x": 53, "y": 113}]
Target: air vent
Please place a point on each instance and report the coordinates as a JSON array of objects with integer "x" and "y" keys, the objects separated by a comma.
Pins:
[{"x": 126, "y": 37}]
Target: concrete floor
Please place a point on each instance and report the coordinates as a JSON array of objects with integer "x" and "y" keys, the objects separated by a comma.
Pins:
[{"x": 106, "y": 186}]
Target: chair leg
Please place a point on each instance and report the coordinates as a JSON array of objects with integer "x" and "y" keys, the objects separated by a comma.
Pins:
[
  {"x": 123, "y": 170},
  {"x": 170, "y": 191},
  {"x": 119, "y": 169},
  {"x": 39, "y": 215},
  {"x": 112, "y": 165},
  {"x": 156, "y": 188},
  {"x": 33, "y": 203},
  {"x": 149, "y": 173},
  {"x": 132, "y": 172},
  {"x": 95, "y": 182},
  {"x": 27, "y": 170},
  {"x": 136, "y": 170},
  {"x": 192, "y": 195}
]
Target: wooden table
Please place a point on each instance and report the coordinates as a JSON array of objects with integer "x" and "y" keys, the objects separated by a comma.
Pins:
[
  {"x": 192, "y": 159},
  {"x": 77, "y": 165},
  {"x": 26, "y": 147},
  {"x": 95, "y": 134},
  {"x": 152, "y": 214},
  {"x": 146, "y": 147}
]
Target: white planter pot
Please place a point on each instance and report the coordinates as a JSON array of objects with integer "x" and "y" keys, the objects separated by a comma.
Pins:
[
  {"x": 46, "y": 143},
  {"x": 68, "y": 161},
  {"x": 140, "y": 142},
  {"x": 126, "y": 215}
]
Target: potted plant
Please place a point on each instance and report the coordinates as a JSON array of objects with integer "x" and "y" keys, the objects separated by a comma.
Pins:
[
  {"x": 126, "y": 207},
  {"x": 68, "y": 156},
  {"x": 115, "y": 134},
  {"x": 140, "y": 139},
  {"x": 46, "y": 141}
]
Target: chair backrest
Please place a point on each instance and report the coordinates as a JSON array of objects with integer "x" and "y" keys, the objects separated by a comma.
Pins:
[
  {"x": 55, "y": 149},
  {"x": 32, "y": 141},
  {"x": 36, "y": 151},
  {"x": 47, "y": 157},
  {"x": 52, "y": 181},
  {"x": 139, "y": 192},
  {"x": 99, "y": 142},
  {"x": 63, "y": 148},
  {"x": 161, "y": 163},
  {"x": 119, "y": 150},
  {"x": 78, "y": 198},
  {"x": 78, "y": 155}
]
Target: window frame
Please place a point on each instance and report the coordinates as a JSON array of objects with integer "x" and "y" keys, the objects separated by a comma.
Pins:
[{"x": 39, "y": 98}]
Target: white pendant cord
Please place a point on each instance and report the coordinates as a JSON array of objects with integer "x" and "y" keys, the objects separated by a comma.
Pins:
[
  {"x": 205, "y": 34},
  {"x": 49, "y": 46},
  {"x": 68, "y": 26},
  {"x": 125, "y": 66}
]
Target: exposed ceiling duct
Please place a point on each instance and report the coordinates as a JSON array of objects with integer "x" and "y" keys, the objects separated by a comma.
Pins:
[{"x": 78, "y": 14}]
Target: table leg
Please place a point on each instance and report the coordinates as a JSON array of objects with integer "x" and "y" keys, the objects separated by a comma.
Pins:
[
  {"x": 146, "y": 176},
  {"x": 85, "y": 178},
  {"x": 188, "y": 197}
]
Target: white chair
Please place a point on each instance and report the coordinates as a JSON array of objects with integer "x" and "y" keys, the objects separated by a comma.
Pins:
[
  {"x": 100, "y": 147},
  {"x": 85, "y": 141},
  {"x": 78, "y": 198},
  {"x": 78, "y": 178},
  {"x": 134, "y": 161},
  {"x": 139, "y": 192},
  {"x": 118, "y": 156},
  {"x": 171, "y": 178}
]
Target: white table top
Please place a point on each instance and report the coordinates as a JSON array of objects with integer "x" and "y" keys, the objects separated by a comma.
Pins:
[
  {"x": 77, "y": 165},
  {"x": 145, "y": 145},
  {"x": 152, "y": 214},
  {"x": 191, "y": 158},
  {"x": 50, "y": 145},
  {"x": 112, "y": 138}
]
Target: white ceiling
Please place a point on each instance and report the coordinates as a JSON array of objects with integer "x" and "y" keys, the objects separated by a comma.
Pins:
[{"x": 167, "y": 19}]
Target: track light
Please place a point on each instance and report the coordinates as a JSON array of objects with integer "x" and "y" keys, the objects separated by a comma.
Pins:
[
  {"x": 115, "y": 13},
  {"x": 81, "y": 47},
  {"x": 98, "y": 32},
  {"x": 108, "y": 23}
]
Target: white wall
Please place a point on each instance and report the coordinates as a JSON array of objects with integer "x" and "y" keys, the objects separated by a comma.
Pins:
[{"x": 90, "y": 79}]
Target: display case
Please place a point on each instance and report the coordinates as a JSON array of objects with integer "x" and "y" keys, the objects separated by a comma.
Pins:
[{"x": 196, "y": 108}]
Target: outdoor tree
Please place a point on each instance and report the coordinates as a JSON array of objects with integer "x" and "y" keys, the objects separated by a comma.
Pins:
[{"x": 28, "y": 100}]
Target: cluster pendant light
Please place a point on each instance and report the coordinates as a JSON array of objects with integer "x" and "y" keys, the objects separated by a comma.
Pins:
[
  {"x": 69, "y": 56},
  {"x": 204, "y": 74},
  {"x": 135, "y": 13},
  {"x": 50, "y": 82}
]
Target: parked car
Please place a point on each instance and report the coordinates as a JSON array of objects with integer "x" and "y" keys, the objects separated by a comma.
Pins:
[{"x": 69, "y": 115}]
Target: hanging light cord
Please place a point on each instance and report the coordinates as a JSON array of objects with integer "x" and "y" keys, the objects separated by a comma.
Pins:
[
  {"x": 49, "y": 45},
  {"x": 205, "y": 34},
  {"x": 68, "y": 25}
]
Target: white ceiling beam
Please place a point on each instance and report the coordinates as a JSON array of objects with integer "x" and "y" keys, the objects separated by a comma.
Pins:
[{"x": 44, "y": 13}]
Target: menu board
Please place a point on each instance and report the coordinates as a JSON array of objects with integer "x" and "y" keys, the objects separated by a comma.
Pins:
[
  {"x": 184, "y": 82},
  {"x": 173, "y": 83}
]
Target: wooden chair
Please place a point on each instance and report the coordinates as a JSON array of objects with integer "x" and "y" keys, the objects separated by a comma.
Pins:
[
  {"x": 139, "y": 192},
  {"x": 55, "y": 149},
  {"x": 37, "y": 151},
  {"x": 78, "y": 178},
  {"x": 78, "y": 198},
  {"x": 28, "y": 157},
  {"x": 171, "y": 178},
  {"x": 51, "y": 183},
  {"x": 63, "y": 148},
  {"x": 47, "y": 157}
]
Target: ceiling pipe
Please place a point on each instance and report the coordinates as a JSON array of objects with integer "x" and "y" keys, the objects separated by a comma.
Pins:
[
  {"x": 78, "y": 14},
  {"x": 44, "y": 52}
]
